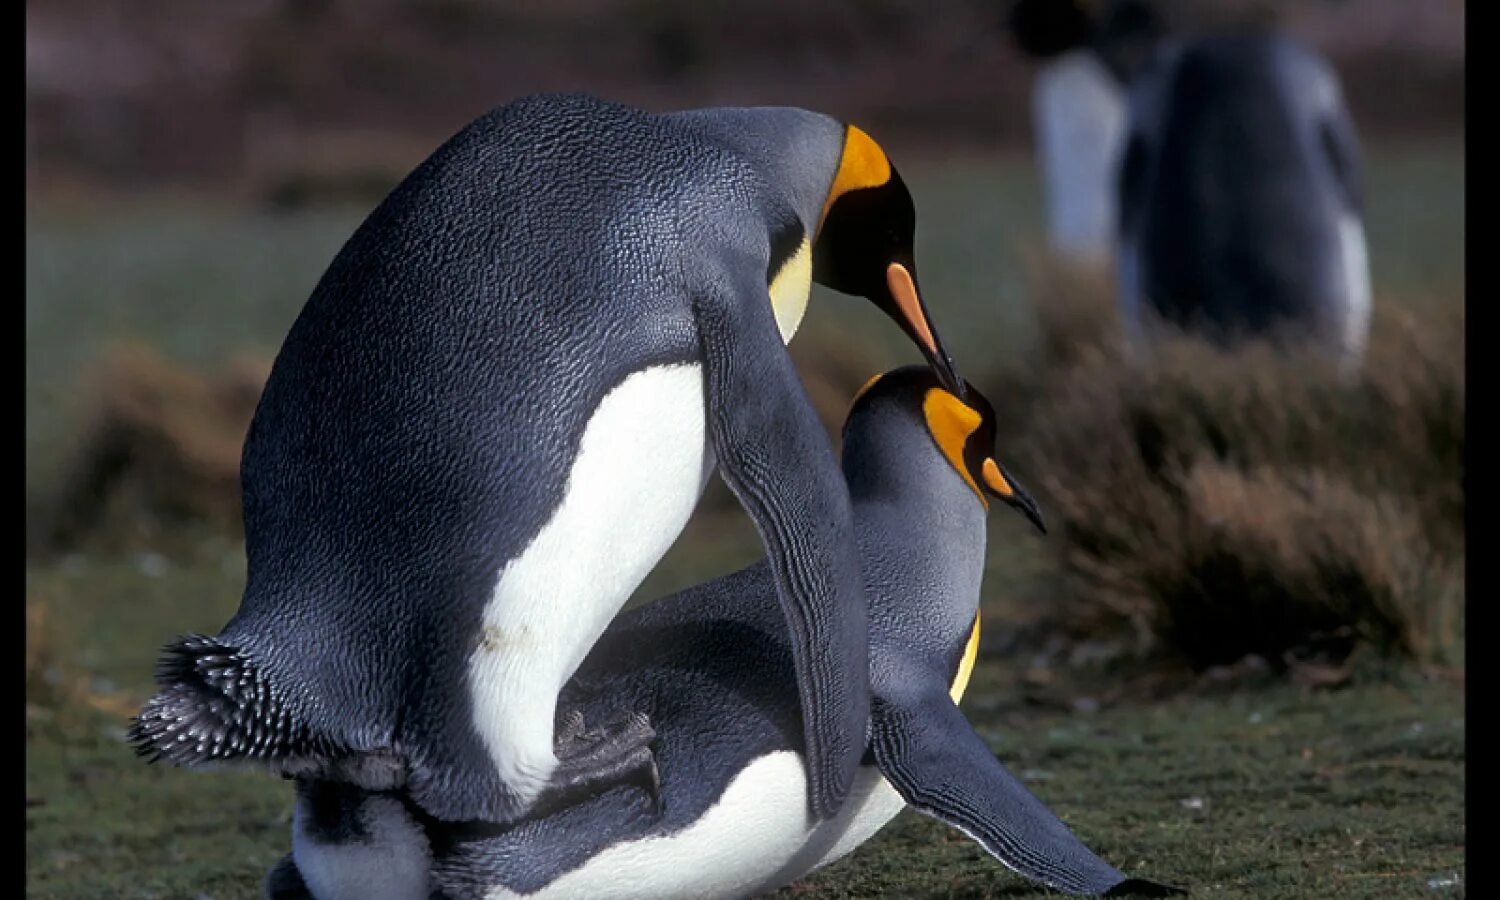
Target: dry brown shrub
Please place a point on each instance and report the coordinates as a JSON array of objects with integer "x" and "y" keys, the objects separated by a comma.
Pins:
[
  {"x": 41, "y": 650},
  {"x": 161, "y": 444},
  {"x": 1222, "y": 502}
]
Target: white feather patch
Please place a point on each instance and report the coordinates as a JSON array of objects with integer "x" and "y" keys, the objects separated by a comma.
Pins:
[
  {"x": 639, "y": 472},
  {"x": 759, "y": 836}
]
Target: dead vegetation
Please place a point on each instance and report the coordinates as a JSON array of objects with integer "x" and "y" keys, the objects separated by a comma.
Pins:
[
  {"x": 161, "y": 445},
  {"x": 1218, "y": 503}
]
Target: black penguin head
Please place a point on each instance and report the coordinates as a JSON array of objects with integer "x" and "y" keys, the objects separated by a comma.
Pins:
[
  {"x": 1122, "y": 33},
  {"x": 1128, "y": 33},
  {"x": 865, "y": 245},
  {"x": 1047, "y": 28},
  {"x": 963, "y": 431}
]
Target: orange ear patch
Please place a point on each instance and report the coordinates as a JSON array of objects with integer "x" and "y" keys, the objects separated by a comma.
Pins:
[
  {"x": 951, "y": 422},
  {"x": 996, "y": 480},
  {"x": 862, "y": 165}
]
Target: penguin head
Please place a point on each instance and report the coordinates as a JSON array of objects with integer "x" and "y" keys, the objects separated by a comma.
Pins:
[
  {"x": 1046, "y": 28},
  {"x": 865, "y": 246},
  {"x": 1122, "y": 33},
  {"x": 961, "y": 430}
]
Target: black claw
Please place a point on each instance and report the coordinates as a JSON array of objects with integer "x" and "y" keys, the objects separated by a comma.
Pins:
[
  {"x": 649, "y": 781},
  {"x": 593, "y": 760},
  {"x": 570, "y": 729},
  {"x": 1141, "y": 887}
]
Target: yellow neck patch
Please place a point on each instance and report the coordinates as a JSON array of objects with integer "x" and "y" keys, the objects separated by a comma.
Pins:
[
  {"x": 862, "y": 165},
  {"x": 790, "y": 287},
  {"x": 951, "y": 422},
  {"x": 966, "y": 665},
  {"x": 866, "y": 387}
]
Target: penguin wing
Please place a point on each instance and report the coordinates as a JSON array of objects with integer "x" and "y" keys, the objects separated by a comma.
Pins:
[
  {"x": 775, "y": 456},
  {"x": 930, "y": 754}
]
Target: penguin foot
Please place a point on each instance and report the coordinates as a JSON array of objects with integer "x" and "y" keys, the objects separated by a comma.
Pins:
[
  {"x": 569, "y": 731},
  {"x": 593, "y": 760},
  {"x": 1141, "y": 887}
]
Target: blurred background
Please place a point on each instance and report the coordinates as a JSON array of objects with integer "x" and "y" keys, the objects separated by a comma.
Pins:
[{"x": 1251, "y": 600}]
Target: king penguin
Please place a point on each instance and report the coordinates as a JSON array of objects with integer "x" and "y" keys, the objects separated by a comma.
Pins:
[
  {"x": 1087, "y": 52},
  {"x": 1241, "y": 199},
  {"x": 494, "y": 415},
  {"x": 712, "y": 667}
]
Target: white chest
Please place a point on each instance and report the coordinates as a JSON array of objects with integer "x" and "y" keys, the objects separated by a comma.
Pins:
[
  {"x": 759, "y": 836},
  {"x": 1080, "y": 124},
  {"x": 640, "y": 468}
]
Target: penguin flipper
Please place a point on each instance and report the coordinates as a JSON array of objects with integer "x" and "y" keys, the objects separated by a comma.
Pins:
[
  {"x": 932, "y": 756},
  {"x": 775, "y": 456}
]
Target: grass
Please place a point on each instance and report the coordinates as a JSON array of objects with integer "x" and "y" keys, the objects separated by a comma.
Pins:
[
  {"x": 1270, "y": 792},
  {"x": 1351, "y": 793},
  {"x": 1354, "y": 792}
]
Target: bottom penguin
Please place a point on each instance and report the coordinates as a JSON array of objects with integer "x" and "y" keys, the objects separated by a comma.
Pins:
[{"x": 712, "y": 668}]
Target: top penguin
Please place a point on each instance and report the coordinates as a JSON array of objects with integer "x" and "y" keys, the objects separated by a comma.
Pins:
[{"x": 496, "y": 413}]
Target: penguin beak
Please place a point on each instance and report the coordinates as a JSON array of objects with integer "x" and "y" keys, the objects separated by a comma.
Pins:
[
  {"x": 907, "y": 308},
  {"x": 999, "y": 483}
]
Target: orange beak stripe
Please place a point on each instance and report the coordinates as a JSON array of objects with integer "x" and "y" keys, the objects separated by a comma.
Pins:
[
  {"x": 995, "y": 480},
  {"x": 904, "y": 290}
]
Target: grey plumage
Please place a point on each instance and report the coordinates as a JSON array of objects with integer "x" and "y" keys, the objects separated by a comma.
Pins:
[
  {"x": 711, "y": 665},
  {"x": 421, "y": 421},
  {"x": 1240, "y": 196}
]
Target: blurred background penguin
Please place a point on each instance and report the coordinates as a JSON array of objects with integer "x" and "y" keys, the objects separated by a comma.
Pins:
[
  {"x": 1211, "y": 159},
  {"x": 1087, "y": 52}
]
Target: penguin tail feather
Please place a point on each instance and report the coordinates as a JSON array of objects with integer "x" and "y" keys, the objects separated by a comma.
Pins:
[{"x": 215, "y": 705}]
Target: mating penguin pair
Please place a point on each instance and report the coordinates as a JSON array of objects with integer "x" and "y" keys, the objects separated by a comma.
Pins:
[
  {"x": 494, "y": 415},
  {"x": 712, "y": 667}
]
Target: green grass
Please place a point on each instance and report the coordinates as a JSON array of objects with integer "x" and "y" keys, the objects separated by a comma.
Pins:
[
  {"x": 1261, "y": 793},
  {"x": 1353, "y": 793}
]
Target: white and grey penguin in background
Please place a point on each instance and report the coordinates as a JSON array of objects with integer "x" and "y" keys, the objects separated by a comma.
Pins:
[
  {"x": 1241, "y": 199},
  {"x": 1087, "y": 53}
]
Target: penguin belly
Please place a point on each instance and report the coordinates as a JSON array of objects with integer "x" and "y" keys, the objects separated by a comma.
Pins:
[
  {"x": 1080, "y": 117},
  {"x": 759, "y": 835},
  {"x": 1355, "y": 263},
  {"x": 639, "y": 471}
]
